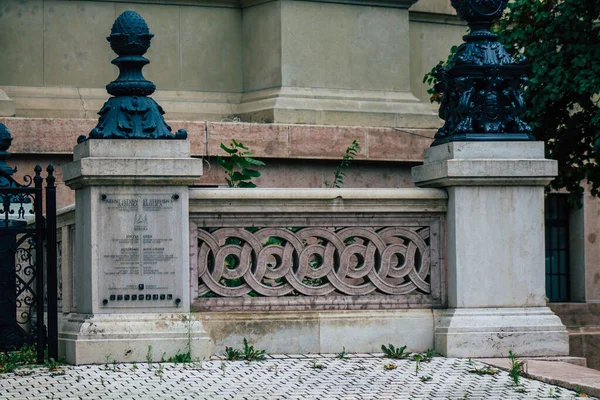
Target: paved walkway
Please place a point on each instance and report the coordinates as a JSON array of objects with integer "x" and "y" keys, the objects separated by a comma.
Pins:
[{"x": 279, "y": 377}]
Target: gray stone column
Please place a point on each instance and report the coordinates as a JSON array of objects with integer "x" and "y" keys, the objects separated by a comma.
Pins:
[
  {"x": 132, "y": 252},
  {"x": 495, "y": 249}
]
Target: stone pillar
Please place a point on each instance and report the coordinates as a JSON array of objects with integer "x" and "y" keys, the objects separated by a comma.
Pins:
[
  {"x": 7, "y": 105},
  {"x": 132, "y": 254},
  {"x": 495, "y": 249}
]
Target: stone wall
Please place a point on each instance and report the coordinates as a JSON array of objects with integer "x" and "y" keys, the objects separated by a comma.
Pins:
[{"x": 282, "y": 61}]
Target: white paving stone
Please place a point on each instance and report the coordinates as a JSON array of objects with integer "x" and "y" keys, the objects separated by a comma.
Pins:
[{"x": 360, "y": 378}]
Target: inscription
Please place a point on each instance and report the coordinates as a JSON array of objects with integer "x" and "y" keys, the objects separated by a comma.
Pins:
[{"x": 138, "y": 251}]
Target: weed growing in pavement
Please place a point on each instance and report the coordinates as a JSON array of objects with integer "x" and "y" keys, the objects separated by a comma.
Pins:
[
  {"x": 425, "y": 378},
  {"x": 394, "y": 352},
  {"x": 429, "y": 354},
  {"x": 516, "y": 367},
  {"x": 149, "y": 357},
  {"x": 223, "y": 367},
  {"x": 485, "y": 370},
  {"x": 233, "y": 354},
  {"x": 12, "y": 360},
  {"x": 160, "y": 372},
  {"x": 52, "y": 364},
  {"x": 134, "y": 366},
  {"x": 181, "y": 358},
  {"x": 162, "y": 358},
  {"x": 342, "y": 354},
  {"x": 314, "y": 365},
  {"x": 389, "y": 367},
  {"x": 250, "y": 354},
  {"x": 417, "y": 358},
  {"x": 579, "y": 392}
]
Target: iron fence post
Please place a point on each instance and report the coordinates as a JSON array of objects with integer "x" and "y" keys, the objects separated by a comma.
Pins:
[
  {"x": 39, "y": 263},
  {"x": 51, "y": 264}
]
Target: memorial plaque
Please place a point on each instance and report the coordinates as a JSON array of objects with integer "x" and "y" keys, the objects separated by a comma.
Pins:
[{"x": 140, "y": 251}]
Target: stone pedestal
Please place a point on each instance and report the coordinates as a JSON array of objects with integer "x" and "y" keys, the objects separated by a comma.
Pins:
[
  {"x": 495, "y": 248},
  {"x": 132, "y": 252}
]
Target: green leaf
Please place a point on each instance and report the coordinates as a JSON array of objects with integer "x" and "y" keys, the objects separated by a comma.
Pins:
[
  {"x": 252, "y": 161},
  {"x": 228, "y": 150},
  {"x": 251, "y": 173},
  {"x": 246, "y": 185},
  {"x": 225, "y": 164}
]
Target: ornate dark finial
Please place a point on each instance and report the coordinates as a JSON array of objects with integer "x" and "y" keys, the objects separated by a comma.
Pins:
[
  {"x": 480, "y": 89},
  {"x": 130, "y": 114},
  {"x": 5, "y": 141}
]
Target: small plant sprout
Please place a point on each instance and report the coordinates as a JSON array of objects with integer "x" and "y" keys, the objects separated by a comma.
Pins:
[
  {"x": 429, "y": 354},
  {"x": 342, "y": 354},
  {"x": 425, "y": 378},
  {"x": 515, "y": 368},
  {"x": 134, "y": 366},
  {"x": 389, "y": 367},
  {"x": 223, "y": 367},
  {"x": 233, "y": 354},
  {"x": 250, "y": 354},
  {"x": 238, "y": 165},
  {"x": 417, "y": 358},
  {"x": 52, "y": 365},
  {"x": 393, "y": 352},
  {"x": 149, "y": 356},
  {"x": 314, "y": 365},
  {"x": 160, "y": 372},
  {"x": 340, "y": 171},
  {"x": 579, "y": 392}
]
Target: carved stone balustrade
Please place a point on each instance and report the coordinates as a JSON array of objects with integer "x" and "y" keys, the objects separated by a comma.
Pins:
[{"x": 307, "y": 249}]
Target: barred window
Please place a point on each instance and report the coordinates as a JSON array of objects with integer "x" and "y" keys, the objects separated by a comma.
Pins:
[{"x": 557, "y": 247}]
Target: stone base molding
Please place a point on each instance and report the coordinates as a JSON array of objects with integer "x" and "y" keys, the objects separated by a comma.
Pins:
[
  {"x": 492, "y": 332},
  {"x": 356, "y": 331},
  {"x": 96, "y": 339},
  {"x": 295, "y": 105},
  {"x": 287, "y": 105}
]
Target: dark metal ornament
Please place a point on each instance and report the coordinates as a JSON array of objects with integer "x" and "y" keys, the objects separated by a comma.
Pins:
[
  {"x": 130, "y": 114},
  {"x": 481, "y": 87}
]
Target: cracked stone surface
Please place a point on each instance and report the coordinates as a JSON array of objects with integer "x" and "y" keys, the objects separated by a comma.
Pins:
[{"x": 315, "y": 377}]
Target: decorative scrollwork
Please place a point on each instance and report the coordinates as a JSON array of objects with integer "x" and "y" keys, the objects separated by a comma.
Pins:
[
  {"x": 481, "y": 88},
  {"x": 313, "y": 261}
]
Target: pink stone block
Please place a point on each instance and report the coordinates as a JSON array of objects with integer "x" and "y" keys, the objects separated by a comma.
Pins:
[
  {"x": 263, "y": 140},
  {"x": 329, "y": 142}
]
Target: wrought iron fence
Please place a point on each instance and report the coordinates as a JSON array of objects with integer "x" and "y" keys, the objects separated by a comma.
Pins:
[{"x": 23, "y": 230}]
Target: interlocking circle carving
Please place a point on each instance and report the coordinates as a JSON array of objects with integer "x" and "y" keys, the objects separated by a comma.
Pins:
[{"x": 313, "y": 261}]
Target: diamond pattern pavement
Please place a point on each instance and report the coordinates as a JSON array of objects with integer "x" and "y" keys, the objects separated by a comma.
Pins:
[{"x": 359, "y": 377}]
